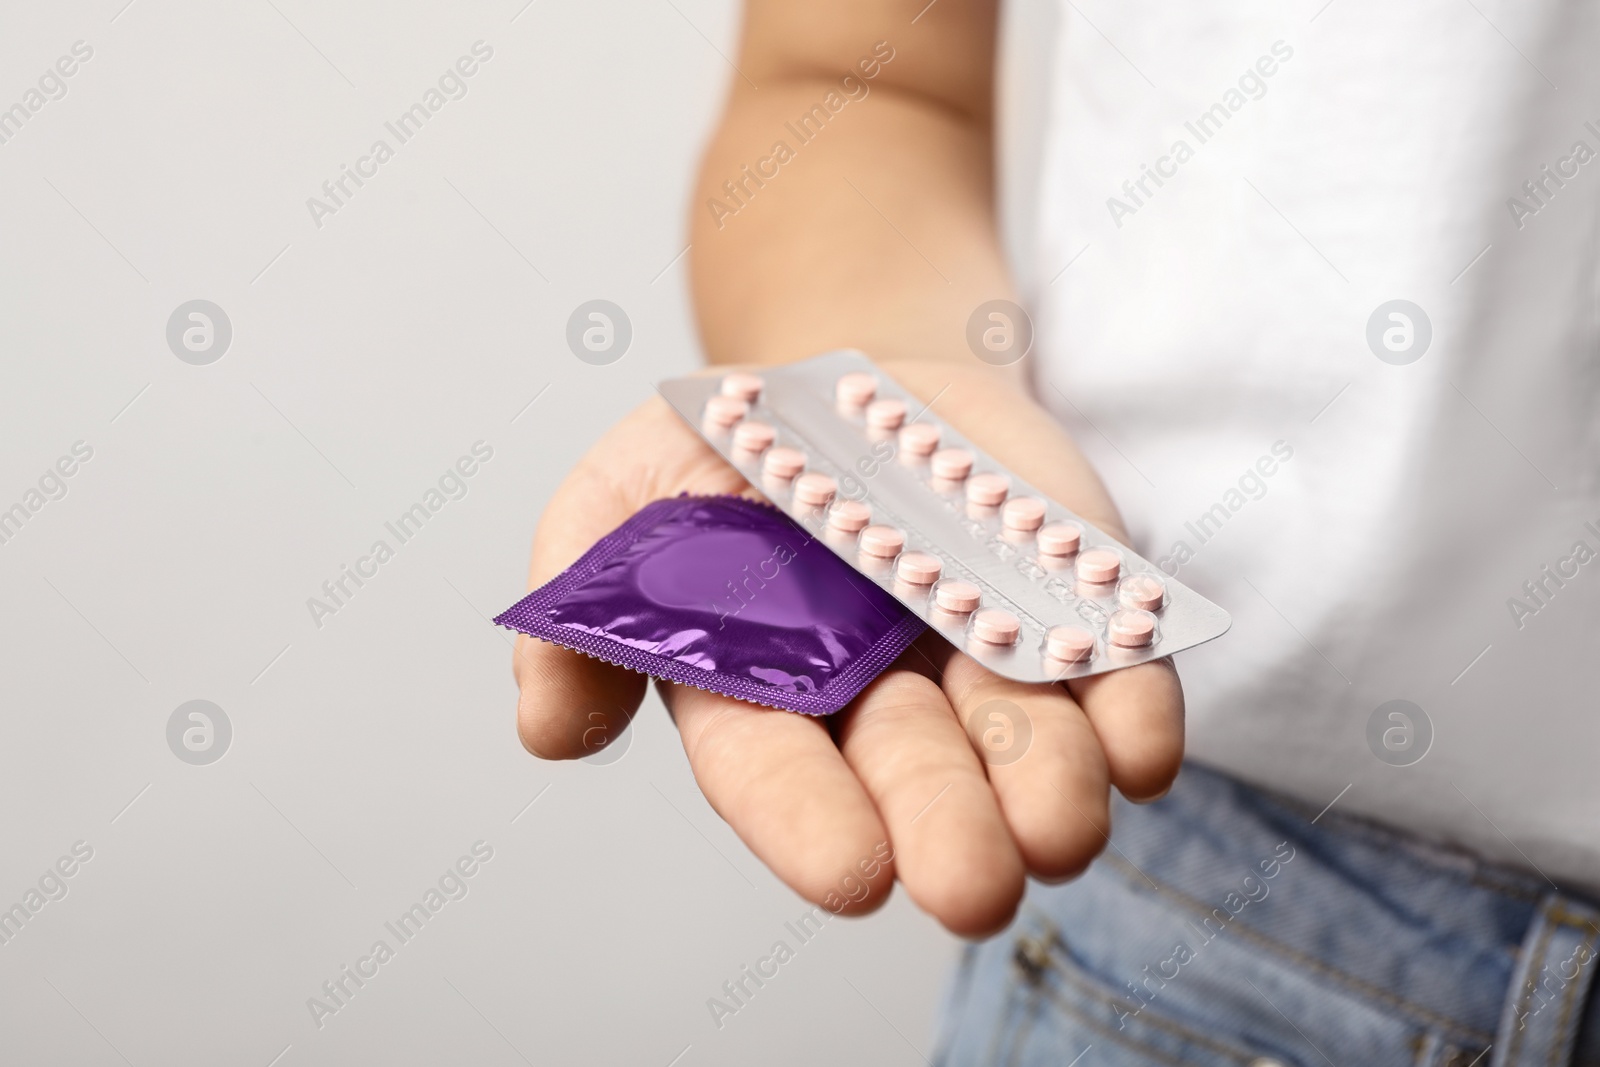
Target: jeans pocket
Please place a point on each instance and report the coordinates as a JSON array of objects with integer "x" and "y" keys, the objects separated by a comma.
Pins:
[{"x": 1061, "y": 1012}]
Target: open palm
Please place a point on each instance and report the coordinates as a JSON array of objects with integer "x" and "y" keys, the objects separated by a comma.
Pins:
[{"x": 896, "y": 786}]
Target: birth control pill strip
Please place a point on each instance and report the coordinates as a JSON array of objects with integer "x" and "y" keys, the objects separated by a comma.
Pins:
[{"x": 1008, "y": 575}]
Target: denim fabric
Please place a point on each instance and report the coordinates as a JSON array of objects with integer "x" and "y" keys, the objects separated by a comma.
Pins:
[{"x": 1227, "y": 928}]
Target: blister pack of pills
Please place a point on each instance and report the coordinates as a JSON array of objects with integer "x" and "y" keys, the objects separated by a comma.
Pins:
[{"x": 1007, "y": 575}]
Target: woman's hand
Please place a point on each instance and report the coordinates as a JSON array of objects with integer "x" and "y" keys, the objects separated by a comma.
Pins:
[{"x": 816, "y": 798}]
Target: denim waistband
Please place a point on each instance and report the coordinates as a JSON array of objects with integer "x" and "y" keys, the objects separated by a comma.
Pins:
[{"x": 1369, "y": 944}]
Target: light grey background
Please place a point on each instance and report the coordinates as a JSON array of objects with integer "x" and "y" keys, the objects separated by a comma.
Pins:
[{"x": 368, "y": 354}]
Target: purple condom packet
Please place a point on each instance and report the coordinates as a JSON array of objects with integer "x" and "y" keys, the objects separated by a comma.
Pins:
[{"x": 725, "y": 594}]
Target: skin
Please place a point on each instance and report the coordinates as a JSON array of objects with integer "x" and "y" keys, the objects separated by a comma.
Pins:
[{"x": 811, "y": 262}]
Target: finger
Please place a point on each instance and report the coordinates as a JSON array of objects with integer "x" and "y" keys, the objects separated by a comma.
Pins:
[
  {"x": 570, "y": 705},
  {"x": 1043, "y": 760},
  {"x": 777, "y": 778},
  {"x": 952, "y": 851},
  {"x": 1137, "y": 713}
]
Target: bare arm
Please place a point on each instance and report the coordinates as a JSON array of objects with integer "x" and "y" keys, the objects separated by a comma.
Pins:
[
  {"x": 875, "y": 232},
  {"x": 879, "y": 232}
]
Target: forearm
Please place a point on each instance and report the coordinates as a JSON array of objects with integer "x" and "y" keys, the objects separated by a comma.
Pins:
[{"x": 879, "y": 233}]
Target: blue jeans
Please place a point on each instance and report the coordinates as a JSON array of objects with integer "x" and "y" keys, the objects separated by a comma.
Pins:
[{"x": 1224, "y": 926}]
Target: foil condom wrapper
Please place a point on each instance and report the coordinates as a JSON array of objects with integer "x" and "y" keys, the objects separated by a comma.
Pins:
[{"x": 728, "y": 595}]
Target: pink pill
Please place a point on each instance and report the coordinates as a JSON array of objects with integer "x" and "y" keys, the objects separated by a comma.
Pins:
[
  {"x": 753, "y": 436},
  {"x": 815, "y": 488},
  {"x": 919, "y": 439},
  {"x": 744, "y": 386},
  {"x": 1099, "y": 565},
  {"x": 1059, "y": 539},
  {"x": 952, "y": 464},
  {"x": 1069, "y": 644},
  {"x": 849, "y": 515},
  {"x": 884, "y": 541},
  {"x": 988, "y": 489},
  {"x": 856, "y": 389},
  {"x": 996, "y": 627},
  {"x": 957, "y": 596},
  {"x": 886, "y": 414},
  {"x": 919, "y": 568},
  {"x": 784, "y": 462},
  {"x": 726, "y": 410},
  {"x": 1131, "y": 629},
  {"x": 1023, "y": 513},
  {"x": 1145, "y": 592}
]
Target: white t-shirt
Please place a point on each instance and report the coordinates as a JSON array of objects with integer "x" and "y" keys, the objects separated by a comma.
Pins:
[{"x": 1221, "y": 339}]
